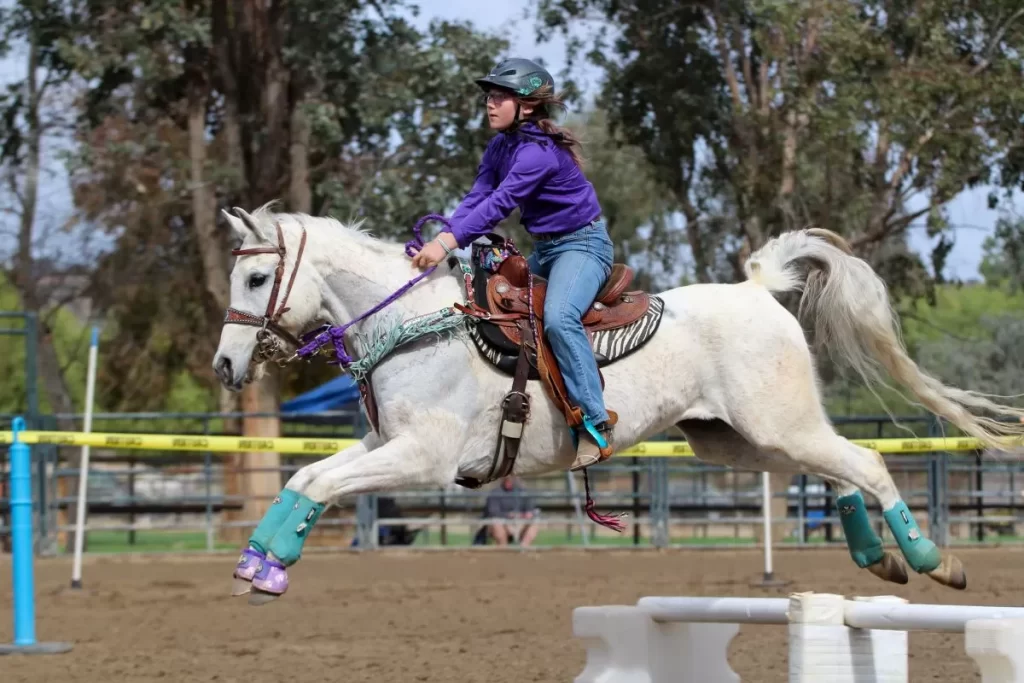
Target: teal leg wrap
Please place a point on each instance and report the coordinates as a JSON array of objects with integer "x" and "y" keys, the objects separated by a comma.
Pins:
[
  {"x": 288, "y": 541},
  {"x": 865, "y": 545},
  {"x": 921, "y": 553},
  {"x": 273, "y": 519}
]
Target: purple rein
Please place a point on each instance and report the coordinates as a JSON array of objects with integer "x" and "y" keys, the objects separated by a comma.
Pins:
[{"x": 335, "y": 334}]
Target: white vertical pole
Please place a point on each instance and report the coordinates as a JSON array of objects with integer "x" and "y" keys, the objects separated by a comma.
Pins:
[
  {"x": 83, "y": 467},
  {"x": 766, "y": 514},
  {"x": 768, "y": 580}
]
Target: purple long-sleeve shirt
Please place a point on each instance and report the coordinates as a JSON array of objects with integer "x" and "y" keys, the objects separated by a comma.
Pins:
[{"x": 528, "y": 170}]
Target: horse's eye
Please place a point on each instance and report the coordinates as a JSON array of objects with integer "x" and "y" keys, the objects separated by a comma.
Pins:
[{"x": 256, "y": 280}]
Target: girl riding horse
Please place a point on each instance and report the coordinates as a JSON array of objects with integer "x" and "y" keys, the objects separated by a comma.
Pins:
[{"x": 536, "y": 166}]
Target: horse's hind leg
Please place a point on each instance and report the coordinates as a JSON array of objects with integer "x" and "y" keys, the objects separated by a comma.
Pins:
[
  {"x": 864, "y": 544},
  {"x": 829, "y": 455},
  {"x": 715, "y": 441}
]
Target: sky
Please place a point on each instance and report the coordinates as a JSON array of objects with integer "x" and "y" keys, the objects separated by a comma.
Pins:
[{"x": 969, "y": 212}]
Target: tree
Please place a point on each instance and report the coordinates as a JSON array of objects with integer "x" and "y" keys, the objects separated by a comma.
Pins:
[
  {"x": 1003, "y": 261},
  {"x": 993, "y": 364},
  {"x": 863, "y": 117},
  {"x": 420, "y": 131},
  {"x": 184, "y": 119},
  {"x": 43, "y": 276}
]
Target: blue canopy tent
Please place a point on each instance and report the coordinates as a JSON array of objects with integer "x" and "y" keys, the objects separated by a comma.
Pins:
[{"x": 339, "y": 394}]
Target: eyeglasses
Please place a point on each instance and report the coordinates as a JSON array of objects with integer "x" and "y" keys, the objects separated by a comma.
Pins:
[{"x": 498, "y": 96}]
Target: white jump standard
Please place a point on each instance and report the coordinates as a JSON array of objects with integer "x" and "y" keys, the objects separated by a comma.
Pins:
[{"x": 686, "y": 640}]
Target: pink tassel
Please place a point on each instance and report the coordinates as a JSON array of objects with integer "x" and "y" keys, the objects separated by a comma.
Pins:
[{"x": 609, "y": 521}]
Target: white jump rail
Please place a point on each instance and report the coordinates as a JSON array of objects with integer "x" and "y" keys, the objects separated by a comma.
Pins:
[{"x": 831, "y": 638}]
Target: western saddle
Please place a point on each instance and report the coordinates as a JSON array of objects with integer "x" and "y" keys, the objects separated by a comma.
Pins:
[{"x": 503, "y": 296}]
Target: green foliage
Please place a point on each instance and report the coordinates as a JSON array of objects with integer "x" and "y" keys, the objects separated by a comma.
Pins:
[
  {"x": 971, "y": 337},
  {"x": 71, "y": 339},
  {"x": 1003, "y": 261},
  {"x": 395, "y": 121},
  {"x": 763, "y": 116},
  {"x": 422, "y": 134}
]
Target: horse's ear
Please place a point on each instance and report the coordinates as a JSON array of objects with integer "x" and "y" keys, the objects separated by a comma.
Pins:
[
  {"x": 238, "y": 228},
  {"x": 253, "y": 225}
]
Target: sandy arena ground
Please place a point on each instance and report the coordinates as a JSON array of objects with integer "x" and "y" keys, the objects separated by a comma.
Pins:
[{"x": 502, "y": 617}]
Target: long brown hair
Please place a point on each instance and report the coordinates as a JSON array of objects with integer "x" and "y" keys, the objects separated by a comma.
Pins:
[{"x": 544, "y": 102}]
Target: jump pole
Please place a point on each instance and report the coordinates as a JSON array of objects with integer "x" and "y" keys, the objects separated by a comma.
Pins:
[
  {"x": 769, "y": 579},
  {"x": 83, "y": 467},
  {"x": 22, "y": 554}
]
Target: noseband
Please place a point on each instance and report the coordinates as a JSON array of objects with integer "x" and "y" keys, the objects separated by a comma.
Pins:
[{"x": 267, "y": 347}]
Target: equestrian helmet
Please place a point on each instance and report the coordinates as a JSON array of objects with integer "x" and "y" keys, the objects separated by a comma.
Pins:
[{"x": 521, "y": 76}]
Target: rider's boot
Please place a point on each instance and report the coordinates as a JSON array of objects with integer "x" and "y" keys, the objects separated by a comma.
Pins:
[{"x": 596, "y": 442}]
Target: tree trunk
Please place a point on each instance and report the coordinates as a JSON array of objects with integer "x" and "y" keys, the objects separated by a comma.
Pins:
[
  {"x": 237, "y": 466},
  {"x": 693, "y": 236},
  {"x": 26, "y": 278},
  {"x": 211, "y": 247},
  {"x": 262, "y": 478},
  {"x": 788, "y": 184},
  {"x": 254, "y": 80},
  {"x": 300, "y": 195}
]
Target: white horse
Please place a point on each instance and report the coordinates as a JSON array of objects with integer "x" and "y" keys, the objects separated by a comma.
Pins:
[{"x": 729, "y": 365}]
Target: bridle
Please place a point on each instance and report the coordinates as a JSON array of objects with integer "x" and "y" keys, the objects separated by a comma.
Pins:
[{"x": 268, "y": 347}]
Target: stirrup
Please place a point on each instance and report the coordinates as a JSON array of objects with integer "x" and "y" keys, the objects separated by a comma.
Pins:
[{"x": 585, "y": 460}]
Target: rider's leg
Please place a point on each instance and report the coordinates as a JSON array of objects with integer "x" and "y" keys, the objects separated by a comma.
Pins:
[
  {"x": 536, "y": 267},
  {"x": 578, "y": 266}
]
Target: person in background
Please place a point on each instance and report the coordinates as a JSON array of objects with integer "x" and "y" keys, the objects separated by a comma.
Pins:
[{"x": 508, "y": 501}]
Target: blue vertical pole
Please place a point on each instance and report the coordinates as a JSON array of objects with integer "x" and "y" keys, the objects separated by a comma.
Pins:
[
  {"x": 22, "y": 552},
  {"x": 21, "y": 539}
]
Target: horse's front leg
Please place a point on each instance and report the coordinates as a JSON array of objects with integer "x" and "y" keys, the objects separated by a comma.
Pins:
[
  {"x": 400, "y": 463},
  {"x": 252, "y": 560}
]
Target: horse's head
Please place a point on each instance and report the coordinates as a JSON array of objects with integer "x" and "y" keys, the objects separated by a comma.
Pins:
[{"x": 272, "y": 297}]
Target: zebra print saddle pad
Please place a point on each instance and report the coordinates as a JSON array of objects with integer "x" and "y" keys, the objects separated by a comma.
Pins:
[{"x": 610, "y": 342}]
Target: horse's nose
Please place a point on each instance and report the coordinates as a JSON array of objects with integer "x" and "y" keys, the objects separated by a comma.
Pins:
[{"x": 223, "y": 369}]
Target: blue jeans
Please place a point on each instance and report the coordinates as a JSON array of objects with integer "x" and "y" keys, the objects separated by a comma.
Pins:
[{"x": 576, "y": 266}]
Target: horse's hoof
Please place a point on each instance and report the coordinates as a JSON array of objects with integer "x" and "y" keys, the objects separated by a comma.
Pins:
[
  {"x": 269, "y": 583},
  {"x": 245, "y": 571},
  {"x": 950, "y": 573},
  {"x": 890, "y": 568}
]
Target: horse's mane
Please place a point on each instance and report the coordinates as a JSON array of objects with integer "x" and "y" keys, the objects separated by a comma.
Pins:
[{"x": 355, "y": 230}]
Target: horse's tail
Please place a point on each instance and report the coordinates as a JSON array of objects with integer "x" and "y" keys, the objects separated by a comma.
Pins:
[{"x": 847, "y": 305}]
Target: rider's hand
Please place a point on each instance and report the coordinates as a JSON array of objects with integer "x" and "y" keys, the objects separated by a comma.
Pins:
[{"x": 433, "y": 252}]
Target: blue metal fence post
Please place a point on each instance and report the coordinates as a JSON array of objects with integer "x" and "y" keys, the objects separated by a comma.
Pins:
[{"x": 22, "y": 552}]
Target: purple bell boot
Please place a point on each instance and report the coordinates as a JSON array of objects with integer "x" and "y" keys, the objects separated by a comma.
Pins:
[
  {"x": 271, "y": 577},
  {"x": 256, "y": 551},
  {"x": 248, "y": 564}
]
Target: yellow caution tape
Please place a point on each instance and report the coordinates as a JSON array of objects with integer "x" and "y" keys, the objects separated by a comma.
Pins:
[
  {"x": 670, "y": 449},
  {"x": 183, "y": 442},
  {"x": 314, "y": 446}
]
